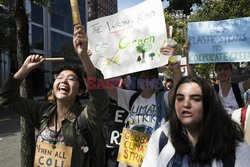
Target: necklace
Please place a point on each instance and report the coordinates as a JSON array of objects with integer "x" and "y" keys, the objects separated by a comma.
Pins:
[{"x": 56, "y": 133}]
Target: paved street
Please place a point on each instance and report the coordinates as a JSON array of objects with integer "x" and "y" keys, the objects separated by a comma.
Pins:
[{"x": 9, "y": 139}]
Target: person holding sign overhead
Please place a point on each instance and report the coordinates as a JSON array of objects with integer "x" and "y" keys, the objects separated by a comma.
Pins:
[
  {"x": 65, "y": 128},
  {"x": 199, "y": 131},
  {"x": 145, "y": 105},
  {"x": 148, "y": 109}
]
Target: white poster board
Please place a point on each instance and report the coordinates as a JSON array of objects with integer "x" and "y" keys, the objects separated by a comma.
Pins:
[
  {"x": 219, "y": 41},
  {"x": 128, "y": 41}
]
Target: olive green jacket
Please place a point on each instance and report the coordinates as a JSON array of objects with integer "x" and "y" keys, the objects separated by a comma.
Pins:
[{"x": 38, "y": 114}]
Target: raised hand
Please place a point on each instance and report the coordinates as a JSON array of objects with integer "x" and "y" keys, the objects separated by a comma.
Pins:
[
  {"x": 31, "y": 62},
  {"x": 80, "y": 40}
]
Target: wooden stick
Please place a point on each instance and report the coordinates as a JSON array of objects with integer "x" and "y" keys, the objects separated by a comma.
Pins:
[{"x": 54, "y": 59}]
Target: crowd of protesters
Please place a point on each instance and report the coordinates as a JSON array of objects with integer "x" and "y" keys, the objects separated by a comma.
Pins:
[{"x": 189, "y": 120}]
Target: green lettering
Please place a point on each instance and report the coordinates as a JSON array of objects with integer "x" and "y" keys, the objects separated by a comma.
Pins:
[{"x": 122, "y": 44}]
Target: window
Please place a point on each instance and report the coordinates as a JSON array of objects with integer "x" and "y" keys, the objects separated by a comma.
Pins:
[
  {"x": 61, "y": 17},
  {"x": 37, "y": 38},
  {"x": 37, "y": 14}
]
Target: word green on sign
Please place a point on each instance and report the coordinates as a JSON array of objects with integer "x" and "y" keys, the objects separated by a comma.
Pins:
[{"x": 125, "y": 43}]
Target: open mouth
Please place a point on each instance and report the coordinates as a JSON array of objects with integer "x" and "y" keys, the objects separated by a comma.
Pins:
[
  {"x": 63, "y": 89},
  {"x": 186, "y": 114}
]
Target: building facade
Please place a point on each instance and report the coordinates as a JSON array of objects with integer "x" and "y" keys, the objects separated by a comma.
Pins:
[
  {"x": 101, "y": 8},
  {"x": 51, "y": 36}
]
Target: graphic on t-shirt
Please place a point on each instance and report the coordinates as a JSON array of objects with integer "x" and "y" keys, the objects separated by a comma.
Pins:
[
  {"x": 143, "y": 128},
  {"x": 142, "y": 118}
]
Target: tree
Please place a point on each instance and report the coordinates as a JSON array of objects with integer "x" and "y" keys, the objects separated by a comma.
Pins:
[
  {"x": 7, "y": 31},
  {"x": 3, "y": 29},
  {"x": 184, "y": 5},
  {"x": 143, "y": 48},
  {"x": 22, "y": 51},
  {"x": 222, "y": 9}
]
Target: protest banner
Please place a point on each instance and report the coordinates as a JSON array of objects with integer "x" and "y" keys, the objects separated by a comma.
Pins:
[
  {"x": 133, "y": 147},
  {"x": 128, "y": 41},
  {"x": 114, "y": 124},
  {"x": 219, "y": 41},
  {"x": 46, "y": 155}
]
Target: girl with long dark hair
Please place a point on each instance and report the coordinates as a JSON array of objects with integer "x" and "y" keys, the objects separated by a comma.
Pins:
[{"x": 199, "y": 132}]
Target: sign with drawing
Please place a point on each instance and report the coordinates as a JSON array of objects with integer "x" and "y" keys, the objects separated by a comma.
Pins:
[
  {"x": 128, "y": 41},
  {"x": 219, "y": 41}
]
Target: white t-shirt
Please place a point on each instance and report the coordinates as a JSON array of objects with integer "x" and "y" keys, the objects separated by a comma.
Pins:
[
  {"x": 142, "y": 116},
  {"x": 229, "y": 102}
]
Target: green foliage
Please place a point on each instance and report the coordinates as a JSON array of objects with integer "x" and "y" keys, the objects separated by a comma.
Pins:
[
  {"x": 143, "y": 47},
  {"x": 185, "y": 5},
  {"x": 179, "y": 32},
  {"x": 204, "y": 70},
  {"x": 140, "y": 48},
  {"x": 169, "y": 19},
  {"x": 221, "y": 9}
]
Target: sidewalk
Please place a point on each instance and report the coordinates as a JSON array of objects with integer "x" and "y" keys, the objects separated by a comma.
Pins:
[{"x": 9, "y": 139}]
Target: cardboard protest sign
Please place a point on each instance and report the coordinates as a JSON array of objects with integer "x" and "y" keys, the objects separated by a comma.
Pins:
[
  {"x": 47, "y": 156},
  {"x": 133, "y": 147},
  {"x": 128, "y": 41},
  {"x": 114, "y": 124},
  {"x": 219, "y": 41}
]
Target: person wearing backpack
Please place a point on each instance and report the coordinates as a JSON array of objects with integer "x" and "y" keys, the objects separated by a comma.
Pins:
[
  {"x": 67, "y": 131},
  {"x": 199, "y": 131},
  {"x": 148, "y": 108},
  {"x": 230, "y": 93}
]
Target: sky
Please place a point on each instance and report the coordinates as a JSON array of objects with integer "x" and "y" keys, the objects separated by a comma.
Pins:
[{"x": 123, "y": 4}]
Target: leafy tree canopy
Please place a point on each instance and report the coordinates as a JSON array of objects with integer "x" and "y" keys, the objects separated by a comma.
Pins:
[
  {"x": 221, "y": 9},
  {"x": 185, "y": 5}
]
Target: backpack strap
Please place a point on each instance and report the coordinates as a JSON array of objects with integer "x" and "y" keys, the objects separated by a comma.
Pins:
[
  {"x": 133, "y": 98},
  {"x": 237, "y": 94},
  {"x": 236, "y": 91},
  {"x": 163, "y": 141},
  {"x": 216, "y": 88},
  {"x": 161, "y": 110}
]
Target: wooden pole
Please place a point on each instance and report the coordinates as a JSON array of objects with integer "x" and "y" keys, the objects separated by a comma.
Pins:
[
  {"x": 75, "y": 12},
  {"x": 54, "y": 59}
]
